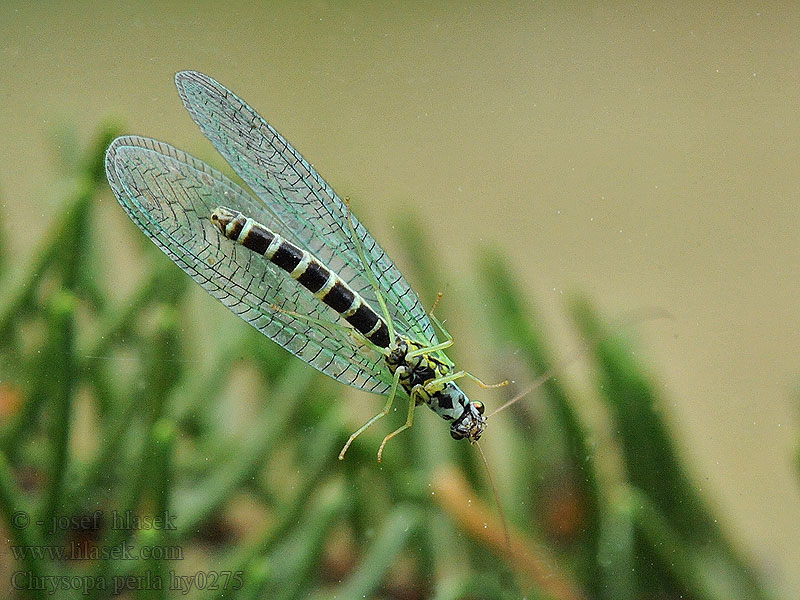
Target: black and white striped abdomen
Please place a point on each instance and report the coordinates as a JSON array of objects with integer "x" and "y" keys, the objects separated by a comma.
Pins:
[{"x": 306, "y": 269}]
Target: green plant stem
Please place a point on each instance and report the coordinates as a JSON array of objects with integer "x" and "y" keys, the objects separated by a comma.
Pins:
[
  {"x": 318, "y": 467},
  {"x": 236, "y": 465},
  {"x": 617, "y": 550},
  {"x": 67, "y": 238},
  {"x": 162, "y": 440},
  {"x": 160, "y": 377},
  {"x": 665, "y": 543},
  {"x": 62, "y": 386},
  {"x": 379, "y": 557},
  {"x": 294, "y": 565},
  {"x": 518, "y": 325}
]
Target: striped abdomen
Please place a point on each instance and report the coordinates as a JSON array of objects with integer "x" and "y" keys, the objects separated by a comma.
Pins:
[{"x": 309, "y": 272}]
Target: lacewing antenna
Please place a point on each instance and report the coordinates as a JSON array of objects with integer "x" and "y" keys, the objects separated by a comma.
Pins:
[{"x": 496, "y": 494}]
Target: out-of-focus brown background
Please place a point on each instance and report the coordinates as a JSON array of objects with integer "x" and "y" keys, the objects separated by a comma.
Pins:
[{"x": 645, "y": 155}]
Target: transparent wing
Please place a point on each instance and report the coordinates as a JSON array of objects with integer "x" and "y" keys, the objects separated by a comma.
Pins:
[
  {"x": 170, "y": 196},
  {"x": 311, "y": 213}
]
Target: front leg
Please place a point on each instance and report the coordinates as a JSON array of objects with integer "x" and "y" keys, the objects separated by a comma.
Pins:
[
  {"x": 392, "y": 393},
  {"x": 433, "y": 384},
  {"x": 416, "y": 397}
]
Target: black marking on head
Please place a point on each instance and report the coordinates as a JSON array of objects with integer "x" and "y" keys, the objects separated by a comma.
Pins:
[
  {"x": 443, "y": 400},
  {"x": 470, "y": 424},
  {"x": 314, "y": 277},
  {"x": 257, "y": 239},
  {"x": 363, "y": 319},
  {"x": 381, "y": 336},
  {"x": 421, "y": 375},
  {"x": 339, "y": 297},
  {"x": 287, "y": 256}
]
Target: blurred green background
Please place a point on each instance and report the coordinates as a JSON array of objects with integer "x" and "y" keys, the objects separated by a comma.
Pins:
[{"x": 519, "y": 157}]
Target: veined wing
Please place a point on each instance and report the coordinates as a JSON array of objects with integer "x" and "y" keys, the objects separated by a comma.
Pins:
[
  {"x": 311, "y": 213},
  {"x": 170, "y": 196}
]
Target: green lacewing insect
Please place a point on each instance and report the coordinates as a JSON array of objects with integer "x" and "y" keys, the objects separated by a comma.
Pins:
[{"x": 290, "y": 259}]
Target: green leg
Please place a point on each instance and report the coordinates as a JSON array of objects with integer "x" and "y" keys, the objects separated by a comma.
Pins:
[
  {"x": 381, "y": 414},
  {"x": 302, "y": 317},
  {"x": 436, "y": 320},
  {"x": 412, "y": 404},
  {"x": 345, "y": 329},
  {"x": 430, "y": 349},
  {"x": 435, "y": 348},
  {"x": 368, "y": 272},
  {"x": 459, "y": 375}
]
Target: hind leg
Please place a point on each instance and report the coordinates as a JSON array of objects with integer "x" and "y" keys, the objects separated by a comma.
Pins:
[
  {"x": 387, "y": 407},
  {"x": 412, "y": 404}
]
